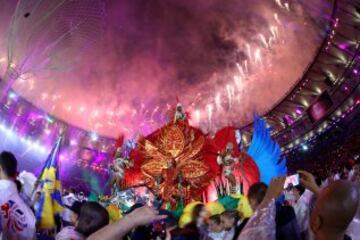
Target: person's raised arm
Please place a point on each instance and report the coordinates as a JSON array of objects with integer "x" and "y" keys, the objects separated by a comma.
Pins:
[
  {"x": 261, "y": 225},
  {"x": 274, "y": 190},
  {"x": 138, "y": 217},
  {"x": 308, "y": 181}
]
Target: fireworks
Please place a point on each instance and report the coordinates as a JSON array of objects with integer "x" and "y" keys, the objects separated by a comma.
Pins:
[
  {"x": 263, "y": 40},
  {"x": 249, "y": 53},
  {"x": 241, "y": 70},
  {"x": 284, "y": 5},
  {"x": 278, "y": 2},
  {"x": 276, "y": 17},
  {"x": 287, "y": 6},
  {"x": 197, "y": 116},
  {"x": 218, "y": 101},
  {"x": 246, "y": 66},
  {"x": 238, "y": 81},
  {"x": 229, "y": 95},
  {"x": 210, "y": 112},
  {"x": 254, "y": 59},
  {"x": 221, "y": 73},
  {"x": 258, "y": 56}
]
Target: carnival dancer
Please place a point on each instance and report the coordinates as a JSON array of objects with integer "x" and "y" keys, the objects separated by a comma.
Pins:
[
  {"x": 228, "y": 162},
  {"x": 121, "y": 162},
  {"x": 170, "y": 177},
  {"x": 179, "y": 114}
]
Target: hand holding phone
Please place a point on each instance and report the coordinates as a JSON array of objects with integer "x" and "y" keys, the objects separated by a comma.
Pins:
[
  {"x": 292, "y": 180},
  {"x": 308, "y": 181},
  {"x": 158, "y": 203}
]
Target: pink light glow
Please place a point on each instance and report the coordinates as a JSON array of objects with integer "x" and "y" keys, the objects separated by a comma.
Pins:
[
  {"x": 146, "y": 60},
  {"x": 343, "y": 46},
  {"x": 298, "y": 111}
]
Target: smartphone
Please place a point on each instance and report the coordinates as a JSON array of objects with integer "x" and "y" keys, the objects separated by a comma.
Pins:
[
  {"x": 157, "y": 203},
  {"x": 294, "y": 180},
  {"x": 158, "y": 230}
]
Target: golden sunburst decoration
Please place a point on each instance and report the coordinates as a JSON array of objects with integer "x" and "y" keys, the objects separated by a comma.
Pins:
[{"x": 173, "y": 153}]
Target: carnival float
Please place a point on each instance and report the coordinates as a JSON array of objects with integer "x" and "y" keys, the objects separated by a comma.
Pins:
[{"x": 177, "y": 166}]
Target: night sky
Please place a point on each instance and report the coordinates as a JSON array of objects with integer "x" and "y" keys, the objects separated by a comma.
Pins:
[{"x": 143, "y": 54}]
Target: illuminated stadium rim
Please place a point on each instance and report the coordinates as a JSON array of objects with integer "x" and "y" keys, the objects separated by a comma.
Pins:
[
  {"x": 303, "y": 88},
  {"x": 346, "y": 92},
  {"x": 348, "y": 88},
  {"x": 349, "y": 106}
]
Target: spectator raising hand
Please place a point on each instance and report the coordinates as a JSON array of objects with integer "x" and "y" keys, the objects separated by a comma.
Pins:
[
  {"x": 144, "y": 215},
  {"x": 262, "y": 224},
  {"x": 139, "y": 217},
  {"x": 308, "y": 181},
  {"x": 275, "y": 189}
]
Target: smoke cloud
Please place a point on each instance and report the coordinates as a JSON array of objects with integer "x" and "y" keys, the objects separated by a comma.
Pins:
[{"x": 153, "y": 51}]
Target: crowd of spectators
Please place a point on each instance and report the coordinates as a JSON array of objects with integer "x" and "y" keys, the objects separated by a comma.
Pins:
[{"x": 318, "y": 208}]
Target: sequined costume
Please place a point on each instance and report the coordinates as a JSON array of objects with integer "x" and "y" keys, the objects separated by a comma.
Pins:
[
  {"x": 120, "y": 163},
  {"x": 173, "y": 161},
  {"x": 179, "y": 114},
  {"x": 228, "y": 161},
  {"x": 237, "y": 166}
]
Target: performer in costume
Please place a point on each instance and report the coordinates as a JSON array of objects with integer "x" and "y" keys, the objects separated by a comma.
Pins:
[
  {"x": 118, "y": 167},
  {"x": 240, "y": 143},
  {"x": 239, "y": 140},
  {"x": 227, "y": 161},
  {"x": 169, "y": 186},
  {"x": 229, "y": 164},
  {"x": 179, "y": 114}
]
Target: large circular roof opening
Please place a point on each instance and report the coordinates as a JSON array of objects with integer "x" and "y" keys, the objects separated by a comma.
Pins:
[{"x": 222, "y": 60}]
